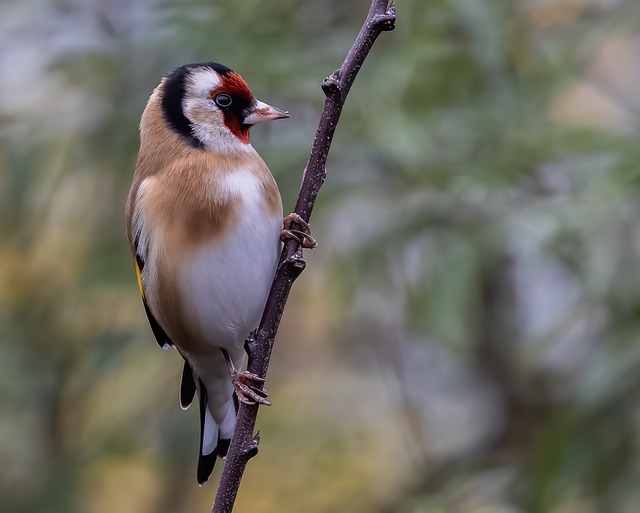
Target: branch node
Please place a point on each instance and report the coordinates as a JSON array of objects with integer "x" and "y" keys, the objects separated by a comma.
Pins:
[
  {"x": 387, "y": 21},
  {"x": 251, "y": 448},
  {"x": 296, "y": 261},
  {"x": 331, "y": 84},
  {"x": 250, "y": 345}
]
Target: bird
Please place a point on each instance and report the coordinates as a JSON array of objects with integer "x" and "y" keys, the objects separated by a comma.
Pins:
[{"x": 204, "y": 221}]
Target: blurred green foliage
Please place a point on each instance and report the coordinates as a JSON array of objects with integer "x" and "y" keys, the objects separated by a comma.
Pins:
[{"x": 465, "y": 337}]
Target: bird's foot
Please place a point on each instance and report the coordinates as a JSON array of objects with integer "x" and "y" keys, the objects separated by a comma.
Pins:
[
  {"x": 303, "y": 237},
  {"x": 246, "y": 393}
]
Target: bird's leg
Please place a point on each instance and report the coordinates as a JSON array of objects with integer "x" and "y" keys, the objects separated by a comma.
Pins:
[
  {"x": 303, "y": 236},
  {"x": 247, "y": 394}
]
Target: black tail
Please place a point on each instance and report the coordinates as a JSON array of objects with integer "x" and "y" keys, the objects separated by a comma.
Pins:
[
  {"x": 208, "y": 461},
  {"x": 205, "y": 462},
  {"x": 187, "y": 386}
]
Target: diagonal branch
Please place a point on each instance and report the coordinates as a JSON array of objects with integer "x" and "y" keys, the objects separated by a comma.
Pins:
[{"x": 244, "y": 445}]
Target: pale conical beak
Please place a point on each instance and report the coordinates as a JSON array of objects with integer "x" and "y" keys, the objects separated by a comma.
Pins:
[{"x": 259, "y": 112}]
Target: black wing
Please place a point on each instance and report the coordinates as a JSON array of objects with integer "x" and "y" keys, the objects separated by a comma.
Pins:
[
  {"x": 187, "y": 383},
  {"x": 161, "y": 337}
]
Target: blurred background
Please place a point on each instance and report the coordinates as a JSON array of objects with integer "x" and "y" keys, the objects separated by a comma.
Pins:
[{"x": 463, "y": 340}]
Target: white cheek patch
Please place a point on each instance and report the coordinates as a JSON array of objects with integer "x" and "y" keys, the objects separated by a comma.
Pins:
[
  {"x": 200, "y": 111},
  {"x": 201, "y": 82},
  {"x": 207, "y": 122},
  {"x": 198, "y": 107},
  {"x": 216, "y": 136}
]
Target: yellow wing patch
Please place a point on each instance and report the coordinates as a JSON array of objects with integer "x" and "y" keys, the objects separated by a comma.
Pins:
[{"x": 139, "y": 275}]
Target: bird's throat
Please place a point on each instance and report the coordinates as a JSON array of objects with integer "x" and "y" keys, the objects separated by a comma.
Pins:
[{"x": 241, "y": 131}]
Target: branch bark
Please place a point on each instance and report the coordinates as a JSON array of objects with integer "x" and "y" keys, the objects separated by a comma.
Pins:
[{"x": 244, "y": 445}]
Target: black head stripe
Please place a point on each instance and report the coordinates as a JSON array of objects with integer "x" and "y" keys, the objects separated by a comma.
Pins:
[
  {"x": 218, "y": 68},
  {"x": 173, "y": 94}
]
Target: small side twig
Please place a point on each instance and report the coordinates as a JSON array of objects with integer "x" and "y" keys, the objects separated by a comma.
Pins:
[{"x": 244, "y": 445}]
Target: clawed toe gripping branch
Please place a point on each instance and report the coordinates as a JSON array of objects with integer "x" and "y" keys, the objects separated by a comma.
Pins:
[
  {"x": 303, "y": 237},
  {"x": 244, "y": 445}
]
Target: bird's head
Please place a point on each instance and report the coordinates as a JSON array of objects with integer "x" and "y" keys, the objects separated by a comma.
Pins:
[{"x": 211, "y": 106}]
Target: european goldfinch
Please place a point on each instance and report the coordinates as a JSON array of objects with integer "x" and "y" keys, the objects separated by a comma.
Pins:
[{"x": 204, "y": 220}]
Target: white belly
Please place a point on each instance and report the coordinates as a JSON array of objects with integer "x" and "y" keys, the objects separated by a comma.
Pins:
[{"x": 226, "y": 284}]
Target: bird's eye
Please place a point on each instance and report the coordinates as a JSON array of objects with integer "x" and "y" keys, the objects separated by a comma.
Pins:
[{"x": 223, "y": 100}]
